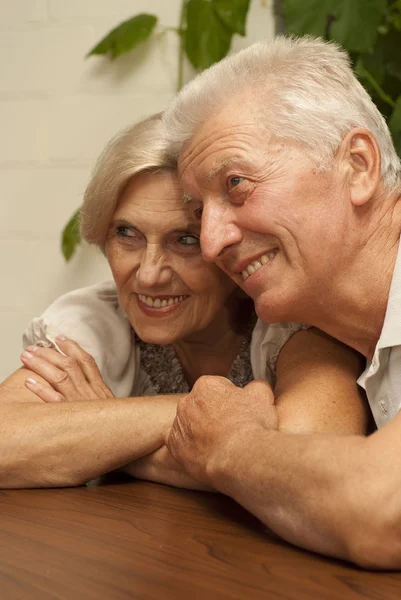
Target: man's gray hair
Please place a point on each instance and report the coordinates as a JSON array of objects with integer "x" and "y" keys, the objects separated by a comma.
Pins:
[
  {"x": 137, "y": 149},
  {"x": 303, "y": 89}
]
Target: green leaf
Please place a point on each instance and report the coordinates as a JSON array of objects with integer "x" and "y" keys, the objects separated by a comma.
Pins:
[
  {"x": 207, "y": 39},
  {"x": 395, "y": 15},
  {"x": 357, "y": 22},
  {"x": 70, "y": 236},
  {"x": 126, "y": 36},
  {"x": 388, "y": 48},
  {"x": 233, "y": 13},
  {"x": 373, "y": 63},
  {"x": 308, "y": 16},
  {"x": 352, "y": 23}
]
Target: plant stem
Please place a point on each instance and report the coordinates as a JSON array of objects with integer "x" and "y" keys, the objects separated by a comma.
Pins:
[
  {"x": 379, "y": 91},
  {"x": 181, "y": 52}
]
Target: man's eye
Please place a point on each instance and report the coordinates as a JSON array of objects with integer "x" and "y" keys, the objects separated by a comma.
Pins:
[
  {"x": 188, "y": 240},
  {"x": 234, "y": 181},
  {"x": 198, "y": 213}
]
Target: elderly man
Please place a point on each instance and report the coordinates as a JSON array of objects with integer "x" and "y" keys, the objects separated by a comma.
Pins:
[{"x": 298, "y": 185}]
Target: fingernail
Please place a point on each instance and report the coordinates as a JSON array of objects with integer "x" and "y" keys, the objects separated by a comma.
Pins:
[
  {"x": 26, "y": 355},
  {"x": 31, "y": 381},
  {"x": 61, "y": 338},
  {"x": 33, "y": 348}
]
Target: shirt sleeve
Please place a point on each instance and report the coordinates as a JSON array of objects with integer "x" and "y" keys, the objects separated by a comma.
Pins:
[
  {"x": 268, "y": 339},
  {"x": 94, "y": 319}
]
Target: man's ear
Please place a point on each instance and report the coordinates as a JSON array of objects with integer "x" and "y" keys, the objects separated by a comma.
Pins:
[{"x": 362, "y": 157}]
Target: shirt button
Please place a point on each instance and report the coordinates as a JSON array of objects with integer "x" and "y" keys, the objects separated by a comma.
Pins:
[{"x": 383, "y": 406}]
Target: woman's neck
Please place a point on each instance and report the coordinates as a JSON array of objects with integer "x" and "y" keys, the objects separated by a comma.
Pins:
[{"x": 213, "y": 350}]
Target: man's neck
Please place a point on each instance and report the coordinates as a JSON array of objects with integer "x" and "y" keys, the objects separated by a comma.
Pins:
[{"x": 356, "y": 309}]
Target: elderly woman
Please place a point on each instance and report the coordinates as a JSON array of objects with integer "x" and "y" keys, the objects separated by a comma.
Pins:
[{"x": 168, "y": 318}]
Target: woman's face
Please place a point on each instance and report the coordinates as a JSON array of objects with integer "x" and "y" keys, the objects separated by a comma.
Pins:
[{"x": 163, "y": 284}]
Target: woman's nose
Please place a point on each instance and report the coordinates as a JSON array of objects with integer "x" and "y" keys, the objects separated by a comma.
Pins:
[{"x": 153, "y": 269}]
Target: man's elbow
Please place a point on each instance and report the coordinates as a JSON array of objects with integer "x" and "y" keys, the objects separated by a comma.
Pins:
[{"x": 375, "y": 544}]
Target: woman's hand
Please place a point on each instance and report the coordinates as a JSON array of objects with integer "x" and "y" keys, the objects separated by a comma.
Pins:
[{"x": 74, "y": 377}]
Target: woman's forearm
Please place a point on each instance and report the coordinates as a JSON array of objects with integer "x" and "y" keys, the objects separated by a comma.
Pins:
[
  {"x": 160, "y": 467},
  {"x": 66, "y": 444}
]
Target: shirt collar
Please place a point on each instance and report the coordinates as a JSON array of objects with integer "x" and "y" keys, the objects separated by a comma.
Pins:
[{"x": 391, "y": 332}]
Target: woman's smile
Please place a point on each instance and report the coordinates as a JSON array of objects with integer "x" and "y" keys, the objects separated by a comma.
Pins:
[{"x": 159, "y": 306}]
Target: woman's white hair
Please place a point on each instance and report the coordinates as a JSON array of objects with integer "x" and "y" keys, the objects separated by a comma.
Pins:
[
  {"x": 302, "y": 89},
  {"x": 137, "y": 149}
]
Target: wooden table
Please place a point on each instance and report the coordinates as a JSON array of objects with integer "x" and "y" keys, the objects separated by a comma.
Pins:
[{"x": 134, "y": 539}]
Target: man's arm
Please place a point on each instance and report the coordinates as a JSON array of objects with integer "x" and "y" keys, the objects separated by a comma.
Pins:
[
  {"x": 316, "y": 389},
  {"x": 316, "y": 392},
  {"x": 334, "y": 495}
]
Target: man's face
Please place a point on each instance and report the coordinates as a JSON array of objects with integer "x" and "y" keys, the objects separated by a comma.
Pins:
[{"x": 274, "y": 223}]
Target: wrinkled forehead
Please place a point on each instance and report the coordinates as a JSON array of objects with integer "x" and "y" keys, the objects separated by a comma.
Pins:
[
  {"x": 224, "y": 144},
  {"x": 217, "y": 143},
  {"x": 151, "y": 195}
]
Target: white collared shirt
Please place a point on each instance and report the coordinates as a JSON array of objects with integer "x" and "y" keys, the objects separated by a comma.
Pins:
[{"x": 382, "y": 377}]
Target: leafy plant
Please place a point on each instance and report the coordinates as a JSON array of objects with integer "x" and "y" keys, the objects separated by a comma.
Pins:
[
  {"x": 205, "y": 31},
  {"x": 369, "y": 29},
  {"x": 371, "y": 32}
]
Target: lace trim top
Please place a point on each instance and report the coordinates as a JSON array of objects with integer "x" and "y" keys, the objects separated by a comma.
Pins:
[{"x": 163, "y": 368}]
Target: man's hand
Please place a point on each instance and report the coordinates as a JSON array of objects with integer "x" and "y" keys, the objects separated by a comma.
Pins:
[
  {"x": 72, "y": 377},
  {"x": 214, "y": 414}
]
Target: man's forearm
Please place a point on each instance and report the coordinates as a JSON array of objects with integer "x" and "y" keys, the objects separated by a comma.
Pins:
[
  {"x": 315, "y": 491},
  {"x": 54, "y": 445}
]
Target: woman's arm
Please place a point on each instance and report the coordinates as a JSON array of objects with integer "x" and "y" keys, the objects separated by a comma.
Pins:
[
  {"x": 67, "y": 443},
  {"x": 161, "y": 467},
  {"x": 75, "y": 378}
]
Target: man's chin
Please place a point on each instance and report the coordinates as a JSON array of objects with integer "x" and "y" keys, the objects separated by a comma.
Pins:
[{"x": 268, "y": 309}]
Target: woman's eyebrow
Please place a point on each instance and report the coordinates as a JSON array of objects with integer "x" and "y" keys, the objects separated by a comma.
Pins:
[{"x": 191, "y": 224}]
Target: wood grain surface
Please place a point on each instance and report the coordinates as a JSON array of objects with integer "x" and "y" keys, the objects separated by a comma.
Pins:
[{"x": 123, "y": 540}]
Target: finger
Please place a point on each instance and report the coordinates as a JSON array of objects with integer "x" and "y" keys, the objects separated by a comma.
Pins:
[
  {"x": 44, "y": 392},
  {"x": 173, "y": 441},
  {"x": 62, "y": 362},
  {"x": 86, "y": 362},
  {"x": 59, "y": 379}
]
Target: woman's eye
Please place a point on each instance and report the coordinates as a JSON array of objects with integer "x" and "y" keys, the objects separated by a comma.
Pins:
[
  {"x": 125, "y": 232},
  {"x": 234, "y": 181}
]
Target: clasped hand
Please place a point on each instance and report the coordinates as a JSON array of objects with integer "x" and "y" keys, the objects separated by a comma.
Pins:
[
  {"x": 69, "y": 377},
  {"x": 216, "y": 419}
]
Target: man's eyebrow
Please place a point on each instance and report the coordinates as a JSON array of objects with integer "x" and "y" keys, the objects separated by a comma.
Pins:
[
  {"x": 187, "y": 198},
  {"x": 222, "y": 165}
]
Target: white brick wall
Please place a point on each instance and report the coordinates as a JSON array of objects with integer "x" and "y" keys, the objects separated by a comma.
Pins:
[{"x": 57, "y": 110}]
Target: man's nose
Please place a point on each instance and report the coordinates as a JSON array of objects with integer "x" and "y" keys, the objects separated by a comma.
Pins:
[
  {"x": 218, "y": 231},
  {"x": 153, "y": 269}
]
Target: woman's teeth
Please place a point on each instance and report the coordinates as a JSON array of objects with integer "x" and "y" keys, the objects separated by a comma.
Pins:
[
  {"x": 256, "y": 264},
  {"x": 157, "y": 303}
]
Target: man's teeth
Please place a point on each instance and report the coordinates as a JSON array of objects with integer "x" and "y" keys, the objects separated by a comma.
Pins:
[
  {"x": 157, "y": 303},
  {"x": 256, "y": 264}
]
